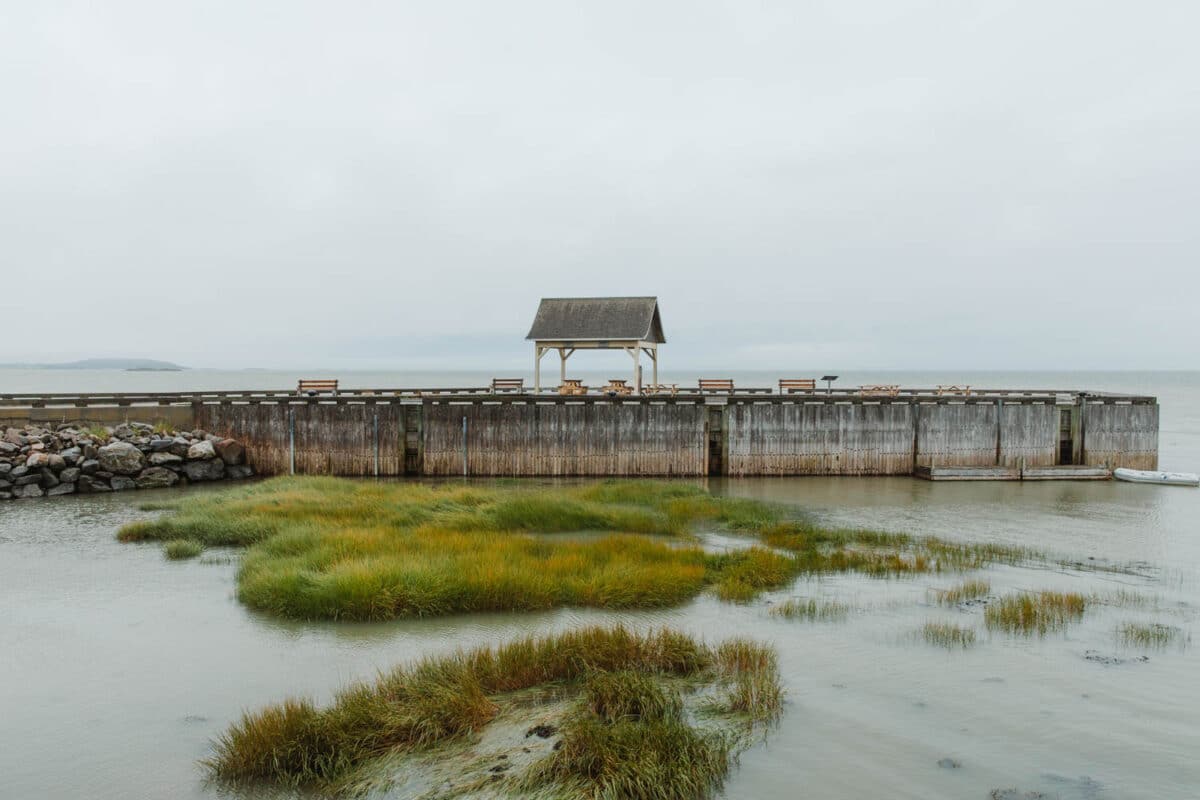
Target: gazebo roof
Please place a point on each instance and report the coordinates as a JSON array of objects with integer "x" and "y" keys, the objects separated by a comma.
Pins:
[{"x": 567, "y": 319}]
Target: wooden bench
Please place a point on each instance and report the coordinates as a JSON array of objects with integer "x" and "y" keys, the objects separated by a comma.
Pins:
[
  {"x": 879, "y": 390},
  {"x": 508, "y": 385},
  {"x": 662, "y": 388},
  {"x": 572, "y": 386},
  {"x": 716, "y": 384},
  {"x": 315, "y": 387},
  {"x": 790, "y": 385},
  {"x": 962, "y": 390}
]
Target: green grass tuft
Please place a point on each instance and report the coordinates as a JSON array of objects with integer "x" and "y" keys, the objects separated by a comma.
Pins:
[
  {"x": 812, "y": 609},
  {"x": 1148, "y": 635},
  {"x": 628, "y": 730},
  {"x": 948, "y": 635},
  {"x": 329, "y": 548},
  {"x": 959, "y": 593},
  {"x": 1035, "y": 613},
  {"x": 177, "y": 549}
]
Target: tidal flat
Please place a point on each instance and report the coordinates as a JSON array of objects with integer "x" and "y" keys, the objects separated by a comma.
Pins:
[{"x": 137, "y": 665}]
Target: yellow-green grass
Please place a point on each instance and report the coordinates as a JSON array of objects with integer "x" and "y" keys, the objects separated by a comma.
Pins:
[
  {"x": 328, "y": 548},
  {"x": 948, "y": 635},
  {"x": 628, "y": 728},
  {"x": 1039, "y": 613},
  {"x": 178, "y": 549},
  {"x": 962, "y": 592},
  {"x": 1148, "y": 635},
  {"x": 811, "y": 608}
]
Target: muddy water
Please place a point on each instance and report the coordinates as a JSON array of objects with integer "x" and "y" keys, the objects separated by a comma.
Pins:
[{"x": 118, "y": 667}]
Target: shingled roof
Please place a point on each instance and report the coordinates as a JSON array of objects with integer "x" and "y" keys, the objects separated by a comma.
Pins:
[{"x": 565, "y": 319}]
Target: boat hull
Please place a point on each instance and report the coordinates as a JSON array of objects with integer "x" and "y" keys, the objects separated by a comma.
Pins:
[{"x": 1154, "y": 476}]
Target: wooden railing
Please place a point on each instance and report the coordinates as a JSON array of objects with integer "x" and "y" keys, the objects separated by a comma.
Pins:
[{"x": 487, "y": 394}]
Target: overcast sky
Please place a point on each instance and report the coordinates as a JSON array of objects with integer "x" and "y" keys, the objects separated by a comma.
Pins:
[{"x": 803, "y": 185}]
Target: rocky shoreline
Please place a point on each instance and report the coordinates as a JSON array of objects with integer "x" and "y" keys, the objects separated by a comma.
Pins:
[{"x": 37, "y": 461}]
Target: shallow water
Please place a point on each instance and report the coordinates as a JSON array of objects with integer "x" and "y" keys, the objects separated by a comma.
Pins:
[{"x": 118, "y": 667}]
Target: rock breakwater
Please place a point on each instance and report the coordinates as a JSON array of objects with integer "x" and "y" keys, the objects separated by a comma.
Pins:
[{"x": 40, "y": 461}]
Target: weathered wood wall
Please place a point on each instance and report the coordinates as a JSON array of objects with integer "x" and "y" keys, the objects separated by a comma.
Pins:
[
  {"x": 329, "y": 439},
  {"x": 1029, "y": 434},
  {"x": 525, "y": 438},
  {"x": 956, "y": 433},
  {"x": 565, "y": 439},
  {"x": 819, "y": 439},
  {"x": 1121, "y": 435}
]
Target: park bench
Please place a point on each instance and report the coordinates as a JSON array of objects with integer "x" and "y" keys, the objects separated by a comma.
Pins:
[
  {"x": 790, "y": 385},
  {"x": 716, "y": 385},
  {"x": 508, "y": 385},
  {"x": 879, "y": 390},
  {"x": 316, "y": 387},
  {"x": 962, "y": 390},
  {"x": 662, "y": 388}
]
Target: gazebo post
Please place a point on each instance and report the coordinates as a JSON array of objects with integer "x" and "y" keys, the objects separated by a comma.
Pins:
[
  {"x": 537, "y": 368},
  {"x": 654, "y": 360},
  {"x": 563, "y": 355}
]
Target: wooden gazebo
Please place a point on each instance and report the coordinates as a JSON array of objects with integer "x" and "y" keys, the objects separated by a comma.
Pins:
[{"x": 567, "y": 324}]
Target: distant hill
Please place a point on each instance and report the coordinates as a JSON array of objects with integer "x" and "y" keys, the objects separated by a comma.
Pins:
[{"x": 140, "y": 364}]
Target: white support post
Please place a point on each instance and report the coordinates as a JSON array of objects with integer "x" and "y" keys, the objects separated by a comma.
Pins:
[
  {"x": 654, "y": 359},
  {"x": 537, "y": 368},
  {"x": 563, "y": 355}
]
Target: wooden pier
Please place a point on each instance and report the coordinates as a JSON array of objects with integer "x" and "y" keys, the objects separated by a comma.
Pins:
[{"x": 751, "y": 431}]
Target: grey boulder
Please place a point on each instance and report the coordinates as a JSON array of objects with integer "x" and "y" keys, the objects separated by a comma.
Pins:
[
  {"x": 121, "y": 458},
  {"x": 69, "y": 475},
  {"x": 62, "y": 488},
  {"x": 212, "y": 469},
  {"x": 38, "y": 459},
  {"x": 163, "y": 459},
  {"x": 121, "y": 483},
  {"x": 156, "y": 478},
  {"x": 87, "y": 483},
  {"x": 201, "y": 451}
]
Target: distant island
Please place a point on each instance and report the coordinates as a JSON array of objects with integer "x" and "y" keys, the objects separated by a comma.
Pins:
[{"x": 128, "y": 364}]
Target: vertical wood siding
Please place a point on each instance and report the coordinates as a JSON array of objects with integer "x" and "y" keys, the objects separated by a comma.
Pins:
[
  {"x": 1029, "y": 432},
  {"x": 1121, "y": 435},
  {"x": 820, "y": 439},
  {"x": 525, "y": 439},
  {"x": 330, "y": 439},
  {"x": 956, "y": 434}
]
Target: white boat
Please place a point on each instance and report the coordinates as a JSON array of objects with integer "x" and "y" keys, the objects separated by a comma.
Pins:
[{"x": 1154, "y": 476}]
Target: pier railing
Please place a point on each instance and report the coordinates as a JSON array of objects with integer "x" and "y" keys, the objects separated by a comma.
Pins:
[{"x": 487, "y": 395}]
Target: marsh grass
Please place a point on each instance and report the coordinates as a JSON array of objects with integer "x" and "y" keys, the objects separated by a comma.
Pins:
[
  {"x": 628, "y": 729},
  {"x": 812, "y": 609},
  {"x": 1148, "y": 635},
  {"x": 329, "y": 548},
  {"x": 948, "y": 635},
  {"x": 1123, "y": 598},
  {"x": 962, "y": 592},
  {"x": 178, "y": 549},
  {"x": 1035, "y": 613}
]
